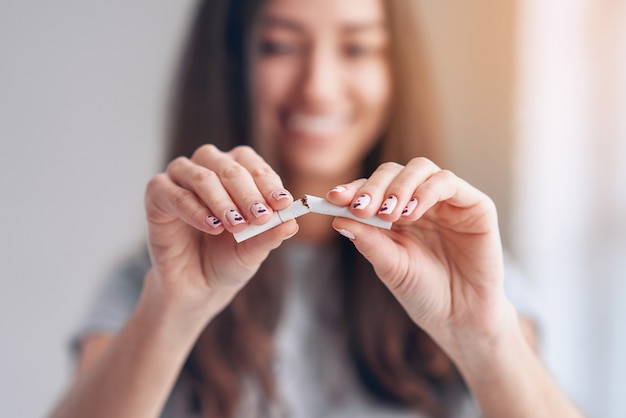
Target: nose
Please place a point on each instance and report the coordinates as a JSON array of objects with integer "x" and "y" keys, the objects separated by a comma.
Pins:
[{"x": 322, "y": 82}]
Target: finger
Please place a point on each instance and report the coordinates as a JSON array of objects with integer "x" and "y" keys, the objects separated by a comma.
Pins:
[
  {"x": 265, "y": 178},
  {"x": 399, "y": 183},
  {"x": 206, "y": 185},
  {"x": 444, "y": 186},
  {"x": 369, "y": 198},
  {"x": 342, "y": 195},
  {"x": 235, "y": 180},
  {"x": 166, "y": 201},
  {"x": 378, "y": 248},
  {"x": 254, "y": 250},
  {"x": 240, "y": 261},
  {"x": 399, "y": 194}
]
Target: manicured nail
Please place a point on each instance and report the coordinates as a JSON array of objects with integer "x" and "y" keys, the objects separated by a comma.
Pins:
[
  {"x": 212, "y": 221},
  {"x": 258, "y": 209},
  {"x": 389, "y": 205},
  {"x": 410, "y": 207},
  {"x": 338, "y": 189},
  {"x": 234, "y": 217},
  {"x": 361, "y": 202},
  {"x": 346, "y": 234},
  {"x": 280, "y": 194}
]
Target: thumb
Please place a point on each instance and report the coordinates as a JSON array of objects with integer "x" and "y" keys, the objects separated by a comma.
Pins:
[{"x": 378, "y": 247}]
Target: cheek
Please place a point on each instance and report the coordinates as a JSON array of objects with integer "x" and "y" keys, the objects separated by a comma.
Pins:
[
  {"x": 272, "y": 84},
  {"x": 374, "y": 90}
]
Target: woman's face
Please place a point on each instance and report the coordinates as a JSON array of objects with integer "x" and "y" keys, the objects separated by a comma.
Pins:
[{"x": 321, "y": 84}]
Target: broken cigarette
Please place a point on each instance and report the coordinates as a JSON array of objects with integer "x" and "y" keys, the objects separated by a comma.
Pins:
[{"x": 303, "y": 206}]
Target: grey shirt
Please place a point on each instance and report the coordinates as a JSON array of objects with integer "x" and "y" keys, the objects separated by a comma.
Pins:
[{"x": 314, "y": 374}]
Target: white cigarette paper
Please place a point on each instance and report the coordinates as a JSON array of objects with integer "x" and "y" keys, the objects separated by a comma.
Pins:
[
  {"x": 323, "y": 206},
  {"x": 301, "y": 207},
  {"x": 294, "y": 210}
]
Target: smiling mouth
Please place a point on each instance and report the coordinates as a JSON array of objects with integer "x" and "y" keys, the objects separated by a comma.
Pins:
[{"x": 316, "y": 125}]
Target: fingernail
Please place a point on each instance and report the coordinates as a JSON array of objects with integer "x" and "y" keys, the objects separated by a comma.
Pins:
[
  {"x": 361, "y": 202},
  {"x": 346, "y": 234},
  {"x": 258, "y": 209},
  {"x": 234, "y": 217},
  {"x": 280, "y": 194},
  {"x": 338, "y": 189},
  {"x": 289, "y": 236},
  {"x": 389, "y": 205},
  {"x": 410, "y": 207},
  {"x": 212, "y": 221}
]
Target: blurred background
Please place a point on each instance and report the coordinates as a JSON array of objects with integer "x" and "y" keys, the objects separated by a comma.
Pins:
[{"x": 533, "y": 95}]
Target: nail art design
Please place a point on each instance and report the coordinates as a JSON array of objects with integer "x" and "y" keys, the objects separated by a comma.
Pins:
[
  {"x": 389, "y": 205},
  {"x": 234, "y": 217},
  {"x": 280, "y": 194},
  {"x": 338, "y": 189},
  {"x": 410, "y": 207},
  {"x": 258, "y": 209},
  {"x": 212, "y": 221},
  {"x": 361, "y": 202}
]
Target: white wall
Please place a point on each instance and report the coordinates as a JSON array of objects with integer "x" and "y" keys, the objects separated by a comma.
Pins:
[
  {"x": 82, "y": 93},
  {"x": 570, "y": 199}
]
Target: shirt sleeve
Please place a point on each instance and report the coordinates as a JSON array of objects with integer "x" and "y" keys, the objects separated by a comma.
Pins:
[{"x": 114, "y": 301}]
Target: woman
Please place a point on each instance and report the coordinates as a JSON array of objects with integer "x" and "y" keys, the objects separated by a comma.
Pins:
[{"x": 386, "y": 323}]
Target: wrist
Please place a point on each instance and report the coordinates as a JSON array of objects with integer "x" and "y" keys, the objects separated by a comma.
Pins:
[
  {"x": 472, "y": 347},
  {"x": 183, "y": 316},
  {"x": 493, "y": 352},
  {"x": 506, "y": 377}
]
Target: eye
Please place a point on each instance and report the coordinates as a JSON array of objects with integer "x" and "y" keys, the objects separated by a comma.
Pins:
[
  {"x": 276, "y": 48},
  {"x": 356, "y": 50}
]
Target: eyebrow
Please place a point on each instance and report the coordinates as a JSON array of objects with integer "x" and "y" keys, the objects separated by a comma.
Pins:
[
  {"x": 282, "y": 23},
  {"x": 350, "y": 27},
  {"x": 364, "y": 26}
]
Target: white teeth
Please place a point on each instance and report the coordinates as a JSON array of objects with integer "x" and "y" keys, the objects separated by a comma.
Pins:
[{"x": 317, "y": 125}]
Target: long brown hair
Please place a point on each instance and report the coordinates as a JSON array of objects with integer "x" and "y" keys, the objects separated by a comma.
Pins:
[{"x": 396, "y": 361}]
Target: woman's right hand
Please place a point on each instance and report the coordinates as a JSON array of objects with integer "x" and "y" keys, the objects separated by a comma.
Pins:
[{"x": 192, "y": 210}]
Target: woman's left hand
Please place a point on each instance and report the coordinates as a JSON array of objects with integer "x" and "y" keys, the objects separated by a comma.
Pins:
[{"x": 442, "y": 259}]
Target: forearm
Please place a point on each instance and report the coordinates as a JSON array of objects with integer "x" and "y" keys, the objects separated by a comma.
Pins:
[
  {"x": 136, "y": 373},
  {"x": 509, "y": 380}
]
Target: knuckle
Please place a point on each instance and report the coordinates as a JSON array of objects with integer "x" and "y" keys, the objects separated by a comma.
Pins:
[
  {"x": 262, "y": 170},
  {"x": 427, "y": 188},
  {"x": 241, "y": 151},
  {"x": 399, "y": 184},
  {"x": 179, "y": 201},
  {"x": 197, "y": 216},
  {"x": 390, "y": 166},
  {"x": 489, "y": 203},
  {"x": 395, "y": 278},
  {"x": 419, "y": 162},
  {"x": 446, "y": 174},
  {"x": 357, "y": 184},
  {"x": 232, "y": 172},
  {"x": 156, "y": 184},
  {"x": 175, "y": 163},
  {"x": 205, "y": 150},
  {"x": 201, "y": 177}
]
